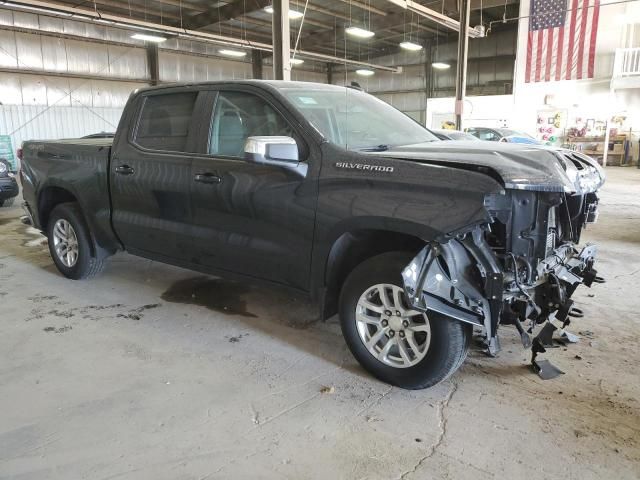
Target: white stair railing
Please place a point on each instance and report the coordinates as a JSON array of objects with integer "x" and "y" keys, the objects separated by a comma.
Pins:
[{"x": 627, "y": 62}]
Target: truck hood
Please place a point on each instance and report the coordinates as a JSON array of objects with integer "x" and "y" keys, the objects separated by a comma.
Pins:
[{"x": 521, "y": 167}]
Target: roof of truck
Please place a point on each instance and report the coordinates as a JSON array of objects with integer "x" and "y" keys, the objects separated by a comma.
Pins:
[{"x": 275, "y": 84}]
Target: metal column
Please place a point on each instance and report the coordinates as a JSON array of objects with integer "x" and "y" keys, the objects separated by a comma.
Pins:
[
  {"x": 281, "y": 47},
  {"x": 153, "y": 63},
  {"x": 463, "y": 50},
  {"x": 256, "y": 64},
  {"x": 329, "y": 73},
  {"x": 428, "y": 80}
]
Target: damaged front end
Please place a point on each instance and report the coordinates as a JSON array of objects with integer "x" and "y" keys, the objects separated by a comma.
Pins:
[{"x": 520, "y": 268}]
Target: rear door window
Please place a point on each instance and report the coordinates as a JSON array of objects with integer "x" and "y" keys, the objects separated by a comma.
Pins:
[{"x": 165, "y": 120}]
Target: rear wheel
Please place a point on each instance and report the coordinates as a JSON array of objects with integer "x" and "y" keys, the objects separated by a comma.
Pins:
[
  {"x": 70, "y": 243},
  {"x": 394, "y": 342}
]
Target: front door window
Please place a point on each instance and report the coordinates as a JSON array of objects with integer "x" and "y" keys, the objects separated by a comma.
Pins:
[{"x": 239, "y": 115}]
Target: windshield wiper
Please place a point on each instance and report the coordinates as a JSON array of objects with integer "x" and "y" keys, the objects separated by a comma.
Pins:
[{"x": 378, "y": 148}]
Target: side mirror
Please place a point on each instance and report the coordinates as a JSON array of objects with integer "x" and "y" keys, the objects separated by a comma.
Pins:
[{"x": 271, "y": 150}]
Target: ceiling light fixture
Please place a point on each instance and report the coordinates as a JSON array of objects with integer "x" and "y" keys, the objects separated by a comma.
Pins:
[
  {"x": 293, "y": 14},
  {"x": 148, "y": 38},
  {"x": 359, "y": 32},
  {"x": 33, "y": 9},
  {"x": 232, "y": 53},
  {"x": 440, "y": 65},
  {"x": 296, "y": 61},
  {"x": 414, "y": 47},
  {"x": 365, "y": 72}
]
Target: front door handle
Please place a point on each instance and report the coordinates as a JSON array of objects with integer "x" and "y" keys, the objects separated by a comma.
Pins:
[
  {"x": 207, "y": 178},
  {"x": 124, "y": 170}
]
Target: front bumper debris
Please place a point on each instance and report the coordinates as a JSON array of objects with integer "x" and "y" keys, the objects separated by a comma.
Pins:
[
  {"x": 462, "y": 280},
  {"x": 565, "y": 273}
]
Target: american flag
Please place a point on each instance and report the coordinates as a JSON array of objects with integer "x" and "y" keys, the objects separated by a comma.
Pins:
[{"x": 562, "y": 39}]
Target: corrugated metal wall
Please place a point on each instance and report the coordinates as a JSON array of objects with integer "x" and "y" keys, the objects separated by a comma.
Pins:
[
  {"x": 27, "y": 122},
  {"x": 53, "y": 87},
  {"x": 34, "y": 52},
  {"x": 70, "y": 89},
  {"x": 178, "y": 67},
  {"x": 26, "y": 89},
  {"x": 297, "y": 75}
]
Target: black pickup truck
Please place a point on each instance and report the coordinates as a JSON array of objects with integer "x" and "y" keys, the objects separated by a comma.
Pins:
[{"x": 332, "y": 192}]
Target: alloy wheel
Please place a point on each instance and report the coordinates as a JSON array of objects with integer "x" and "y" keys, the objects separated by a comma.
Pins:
[
  {"x": 65, "y": 243},
  {"x": 390, "y": 329}
]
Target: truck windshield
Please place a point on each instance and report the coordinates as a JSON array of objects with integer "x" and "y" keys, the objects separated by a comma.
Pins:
[{"x": 356, "y": 120}]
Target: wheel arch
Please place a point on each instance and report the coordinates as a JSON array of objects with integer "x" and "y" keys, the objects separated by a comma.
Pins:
[
  {"x": 49, "y": 198},
  {"x": 351, "y": 247}
]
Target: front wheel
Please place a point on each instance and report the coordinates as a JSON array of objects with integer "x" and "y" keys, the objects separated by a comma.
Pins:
[{"x": 391, "y": 340}]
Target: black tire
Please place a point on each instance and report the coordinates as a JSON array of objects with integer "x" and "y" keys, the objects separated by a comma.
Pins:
[
  {"x": 7, "y": 202},
  {"x": 450, "y": 339},
  {"x": 87, "y": 264}
]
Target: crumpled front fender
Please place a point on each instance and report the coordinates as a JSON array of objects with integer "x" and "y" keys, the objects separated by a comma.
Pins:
[
  {"x": 441, "y": 279},
  {"x": 460, "y": 279}
]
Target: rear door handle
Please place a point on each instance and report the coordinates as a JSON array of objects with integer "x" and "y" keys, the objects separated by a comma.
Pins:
[
  {"x": 124, "y": 170},
  {"x": 207, "y": 178}
]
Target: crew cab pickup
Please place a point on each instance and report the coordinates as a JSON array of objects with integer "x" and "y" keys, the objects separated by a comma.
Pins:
[{"x": 330, "y": 191}]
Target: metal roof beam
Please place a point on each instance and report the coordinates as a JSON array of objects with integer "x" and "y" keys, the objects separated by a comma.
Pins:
[
  {"x": 240, "y": 14},
  {"x": 322, "y": 10},
  {"x": 434, "y": 16},
  {"x": 231, "y": 10},
  {"x": 118, "y": 21},
  {"x": 183, "y": 5},
  {"x": 365, "y": 6},
  {"x": 129, "y": 8}
]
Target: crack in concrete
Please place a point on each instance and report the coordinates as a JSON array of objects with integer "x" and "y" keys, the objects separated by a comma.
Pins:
[
  {"x": 305, "y": 383},
  {"x": 256, "y": 413},
  {"x": 627, "y": 274},
  {"x": 442, "y": 425},
  {"x": 375, "y": 402},
  {"x": 284, "y": 412}
]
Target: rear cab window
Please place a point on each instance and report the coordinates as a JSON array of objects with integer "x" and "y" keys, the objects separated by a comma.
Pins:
[{"x": 164, "y": 121}]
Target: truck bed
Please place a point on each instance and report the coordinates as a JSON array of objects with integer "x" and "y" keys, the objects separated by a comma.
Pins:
[{"x": 81, "y": 165}]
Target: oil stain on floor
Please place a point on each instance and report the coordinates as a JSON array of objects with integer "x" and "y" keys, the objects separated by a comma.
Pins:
[{"x": 213, "y": 293}]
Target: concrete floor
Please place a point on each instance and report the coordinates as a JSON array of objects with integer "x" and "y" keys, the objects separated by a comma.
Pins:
[{"x": 150, "y": 371}]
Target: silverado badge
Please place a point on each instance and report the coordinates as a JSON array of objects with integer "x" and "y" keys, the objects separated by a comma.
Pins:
[{"x": 364, "y": 166}]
